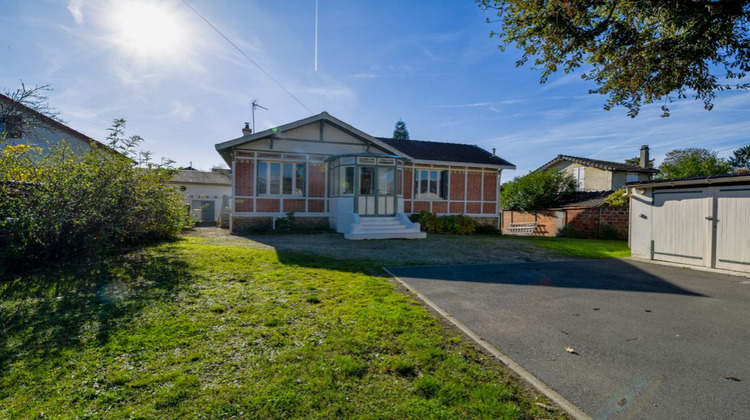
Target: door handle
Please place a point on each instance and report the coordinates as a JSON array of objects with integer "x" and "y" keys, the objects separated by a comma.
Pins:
[{"x": 709, "y": 218}]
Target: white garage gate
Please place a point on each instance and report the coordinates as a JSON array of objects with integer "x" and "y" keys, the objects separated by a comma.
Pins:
[{"x": 702, "y": 222}]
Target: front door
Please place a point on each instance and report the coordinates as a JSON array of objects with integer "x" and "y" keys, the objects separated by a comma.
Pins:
[{"x": 376, "y": 192}]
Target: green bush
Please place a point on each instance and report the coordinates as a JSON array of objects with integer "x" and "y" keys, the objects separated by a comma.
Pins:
[
  {"x": 459, "y": 224},
  {"x": 618, "y": 198},
  {"x": 58, "y": 203}
]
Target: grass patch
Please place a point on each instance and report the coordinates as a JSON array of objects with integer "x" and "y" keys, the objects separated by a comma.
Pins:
[
  {"x": 582, "y": 248},
  {"x": 193, "y": 330}
]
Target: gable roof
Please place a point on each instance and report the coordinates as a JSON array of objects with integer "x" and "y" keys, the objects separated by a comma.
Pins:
[
  {"x": 225, "y": 148},
  {"x": 446, "y": 152},
  {"x": 52, "y": 122},
  {"x": 600, "y": 164},
  {"x": 410, "y": 149},
  {"x": 200, "y": 177}
]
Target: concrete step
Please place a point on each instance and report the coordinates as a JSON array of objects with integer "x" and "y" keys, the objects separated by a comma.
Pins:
[{"x": 394, "y": 235}]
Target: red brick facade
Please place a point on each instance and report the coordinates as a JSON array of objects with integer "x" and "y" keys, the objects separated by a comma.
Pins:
[
  {"x": 316, "y": 185},
  {"x": 244, "y": 171}
]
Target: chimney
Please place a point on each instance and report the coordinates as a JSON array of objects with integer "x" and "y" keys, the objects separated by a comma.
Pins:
[
  {"x": 644, "y": 156},
  {"x": 493, "y": 152},
  {"x": 247, "y": 131}
]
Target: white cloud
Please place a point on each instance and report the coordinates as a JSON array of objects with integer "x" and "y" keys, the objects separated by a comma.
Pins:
[
  {"x": 74, "y": 7},
  {"x": 365, "y": 75}
]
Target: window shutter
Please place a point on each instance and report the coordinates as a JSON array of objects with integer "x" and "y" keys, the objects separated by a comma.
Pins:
[{"x": 444, "y": 184}]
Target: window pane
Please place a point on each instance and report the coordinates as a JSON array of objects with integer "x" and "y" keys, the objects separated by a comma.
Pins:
[
  {"x": 433, "y": 184},
  {"x": 385, "y": 181},
  {"x": 365, "y": 180},
  {"x": 287, "y": 181},
  {"x": 347, "y": 185},
  {"x": 424, "y": 186},
  {"x": 262, "y": 177},
  {"x": 275, "y": 179},
  {"x": 399, "y": 181},
  {"x": 299, "y": 180}
]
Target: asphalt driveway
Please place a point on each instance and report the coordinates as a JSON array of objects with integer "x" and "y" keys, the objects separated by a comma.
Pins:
[{"x": 617, "y": 338}]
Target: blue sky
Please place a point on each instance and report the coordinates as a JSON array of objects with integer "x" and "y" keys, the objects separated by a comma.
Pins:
[{"x": 184, "y": 88}]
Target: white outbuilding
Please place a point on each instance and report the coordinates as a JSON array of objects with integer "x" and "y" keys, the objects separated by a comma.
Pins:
[{"x": 694, "y": 221}]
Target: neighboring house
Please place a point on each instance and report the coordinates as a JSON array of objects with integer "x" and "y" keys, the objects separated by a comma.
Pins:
[
  {"x": 702, "y": 221},
  {"x": 333, "y": 175},
  {"x": 585, "y": 213},
  {"x": 208, "y": 193},
  {"x": 602, "y": 175},
  {"x": 20, "y": 124}
]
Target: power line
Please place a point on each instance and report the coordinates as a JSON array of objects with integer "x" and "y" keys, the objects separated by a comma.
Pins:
[{"x": 247, "y": 56}]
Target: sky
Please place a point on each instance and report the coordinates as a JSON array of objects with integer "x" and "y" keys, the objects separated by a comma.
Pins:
[{"x": 184, "y": 87}]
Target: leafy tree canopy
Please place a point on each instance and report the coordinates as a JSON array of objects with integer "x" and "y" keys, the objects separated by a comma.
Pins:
[
  {"x": 537, "y": 190},
  {"x": 400, "y": 132},
  {"x": 636, "y": 161},
  {"x": 740, "y": 159},
  {"x": 684, "y": 163},
  {"x": 636, "y": 51}
]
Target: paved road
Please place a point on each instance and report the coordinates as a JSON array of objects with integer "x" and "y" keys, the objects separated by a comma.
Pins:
[{"x": 650, "y": 341}]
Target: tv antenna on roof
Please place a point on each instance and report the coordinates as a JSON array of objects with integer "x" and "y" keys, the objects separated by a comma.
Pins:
[{"x": 255, "y": 105}]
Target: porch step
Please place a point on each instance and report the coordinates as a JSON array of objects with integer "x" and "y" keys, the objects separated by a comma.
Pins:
[{"x": 398, "y": 227}]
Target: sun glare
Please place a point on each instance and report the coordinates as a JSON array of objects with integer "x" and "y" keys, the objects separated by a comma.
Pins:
[{"x": 147, "y": 28}]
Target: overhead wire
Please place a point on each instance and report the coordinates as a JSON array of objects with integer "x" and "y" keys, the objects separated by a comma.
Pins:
[{"x": 247, "y": 56}]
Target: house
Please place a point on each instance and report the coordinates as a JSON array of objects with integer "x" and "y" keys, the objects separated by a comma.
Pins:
[
  {"x": 602, "y": 175},
  {"x": 20, "y": 124},
  {"x": 586, "y": 213},
  {"x": 207, "y": 193},
  {"x": 701, "y": 221},
  {"x": 333, "y": 175}
]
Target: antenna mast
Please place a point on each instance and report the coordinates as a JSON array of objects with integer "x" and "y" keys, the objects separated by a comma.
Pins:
[{"x": 255, "y": 105}]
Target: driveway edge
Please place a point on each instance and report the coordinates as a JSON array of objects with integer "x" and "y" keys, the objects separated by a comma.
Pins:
[{"x": 527, "y": 376}]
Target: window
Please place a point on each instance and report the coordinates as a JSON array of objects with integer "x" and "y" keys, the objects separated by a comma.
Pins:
[
  {"x": 277, "y": 178},
  {"x": 430, "y": 184},
  {"x": 631, "y": 177},
  {"x": 11, "y": 126},
  {"x": 579, "y": 174},
  {"x": 366, "y": 175}
]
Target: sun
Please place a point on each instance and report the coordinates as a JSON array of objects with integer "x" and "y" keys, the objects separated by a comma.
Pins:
[{"x": 147, "y": 28}]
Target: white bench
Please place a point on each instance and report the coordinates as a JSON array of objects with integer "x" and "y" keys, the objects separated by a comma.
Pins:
[{"x": 521, "y": 228}]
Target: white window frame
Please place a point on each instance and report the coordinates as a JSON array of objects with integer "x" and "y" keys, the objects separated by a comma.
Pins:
[
  {"x": 579, "y": 174},
  {"x": 441, "y": 176},
  {"x": 267, "y": 177}
]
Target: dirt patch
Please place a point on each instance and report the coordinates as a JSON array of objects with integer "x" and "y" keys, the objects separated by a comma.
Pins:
[{"x": 436, "y": 249}]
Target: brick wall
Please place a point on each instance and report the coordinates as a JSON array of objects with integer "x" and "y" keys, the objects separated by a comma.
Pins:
[
  {"x": 546, "y": 221},
  {"x": 598, "y": 222},
  {"x": 581, "y": 222},
  {"x": 244, "y": 178}
]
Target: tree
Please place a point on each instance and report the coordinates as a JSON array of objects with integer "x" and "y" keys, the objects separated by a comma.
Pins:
[
  {"x": 740, "y": 159},
  {"x": 692, "y": 162},
  {"x": 12, "y": 123},
  {"x": 636, "y": 161},
  {"x": 537, "y": 190},
  {"x": 636, "y": 51},
  {"x": 400, "y": 132},
  {"x": 60, "y": 203}
]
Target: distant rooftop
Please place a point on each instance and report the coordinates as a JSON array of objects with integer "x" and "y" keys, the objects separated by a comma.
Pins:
[
  {"x": 191, "y": 176},
  {"x": 601, "y": 164}
]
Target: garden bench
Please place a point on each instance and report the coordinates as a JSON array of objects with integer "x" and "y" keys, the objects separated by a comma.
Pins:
[{"x": 521, "y": 228}]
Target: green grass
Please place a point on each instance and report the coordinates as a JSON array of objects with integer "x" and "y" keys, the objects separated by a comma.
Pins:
[
  {"x": 192, "y": 330},
  {"x": 581, "y": 248}
]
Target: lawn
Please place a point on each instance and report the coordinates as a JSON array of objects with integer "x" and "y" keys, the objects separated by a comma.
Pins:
[
  {"x": 199, "y": 330},
  {"x": 582, "y": 248}
]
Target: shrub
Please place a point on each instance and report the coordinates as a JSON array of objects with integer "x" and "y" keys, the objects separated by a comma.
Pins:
[
  {"x": 61, "y": 203},
  {"x": 459, "y": 224},
  {"x": 536, "y": 190},
  {"x": 618, "y": 198}
]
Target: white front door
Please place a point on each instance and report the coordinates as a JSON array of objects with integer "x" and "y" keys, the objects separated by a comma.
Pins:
[{"x": 376, "y": 192}]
